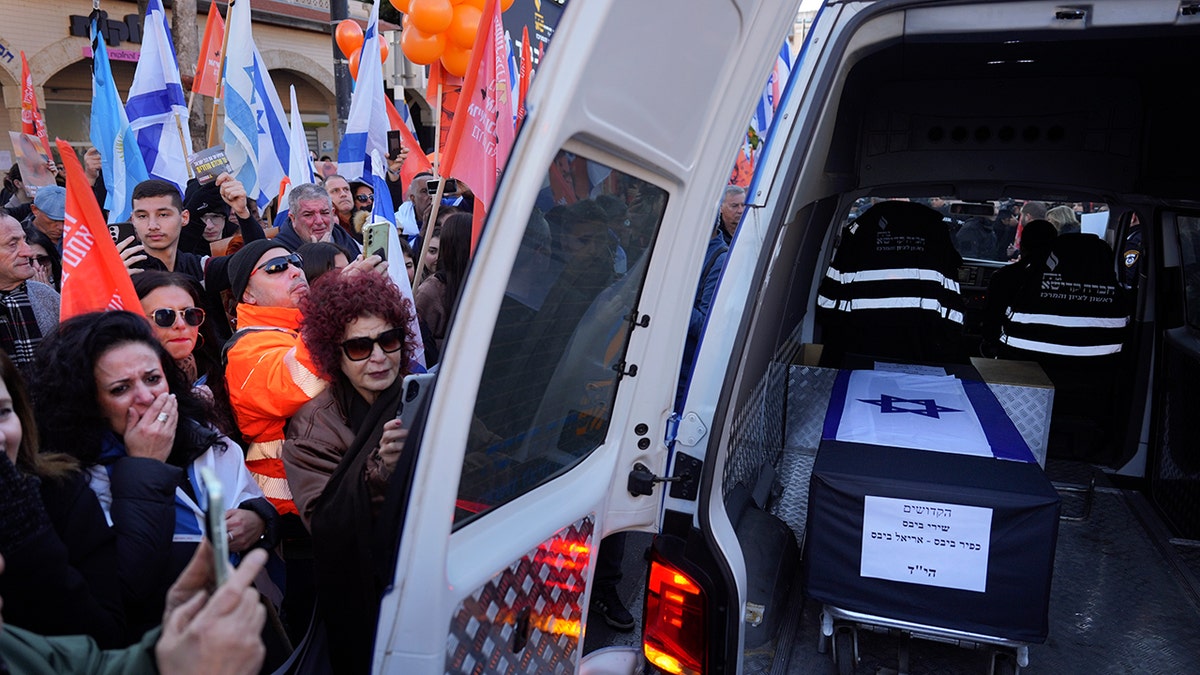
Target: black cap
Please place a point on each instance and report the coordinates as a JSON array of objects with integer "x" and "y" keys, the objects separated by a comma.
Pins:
[
  {"x": 201, "y": 199},
  {"x": 241, "y": 264}
]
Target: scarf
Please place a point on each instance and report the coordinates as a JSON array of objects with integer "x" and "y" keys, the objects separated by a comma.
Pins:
[{"x": 19, "y": 332}]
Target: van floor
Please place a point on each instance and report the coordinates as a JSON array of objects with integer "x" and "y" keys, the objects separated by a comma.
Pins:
[{"x": 1124, "y": 599}]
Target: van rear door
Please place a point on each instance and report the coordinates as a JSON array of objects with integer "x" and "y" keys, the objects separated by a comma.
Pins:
[{"x": 559, "y": 372}]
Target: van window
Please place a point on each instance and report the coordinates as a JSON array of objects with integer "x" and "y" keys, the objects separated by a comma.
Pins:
[
  {"x": 1189, "y": 245},
  {"x": 552, "y": 367}
]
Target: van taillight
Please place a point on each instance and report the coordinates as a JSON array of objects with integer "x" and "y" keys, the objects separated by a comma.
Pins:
[{"x": 673, "y": 638}]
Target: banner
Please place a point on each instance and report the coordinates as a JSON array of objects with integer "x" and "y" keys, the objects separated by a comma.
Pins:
[
  {"x": 208, "y": 67},
  {"x": 482, "y": 133},
  {"x": 93, "y": 276},
  {"x": 31, "y": 116}
]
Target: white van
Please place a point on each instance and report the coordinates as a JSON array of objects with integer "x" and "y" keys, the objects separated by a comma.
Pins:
[{"x": 552, "y": 424}]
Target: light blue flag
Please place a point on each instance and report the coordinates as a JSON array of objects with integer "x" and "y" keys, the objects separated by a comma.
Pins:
[
  {"x": 120, "y": 160},
  {"x": 256, "y": 129},
  {"x": 156, "y": 106},
  {"x": 367, "y": 124}
]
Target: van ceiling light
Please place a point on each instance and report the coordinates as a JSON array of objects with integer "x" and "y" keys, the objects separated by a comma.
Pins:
[{"x": 1070, "y": 14}]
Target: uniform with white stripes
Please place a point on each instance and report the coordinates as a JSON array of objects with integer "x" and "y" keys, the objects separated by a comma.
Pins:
[
  {"x": 1069, "y": 308},
  {"x": 892, "y": 288}
]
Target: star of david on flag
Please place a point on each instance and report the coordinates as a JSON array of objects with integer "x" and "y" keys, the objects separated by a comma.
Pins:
[{"x": 922, "y": 412}]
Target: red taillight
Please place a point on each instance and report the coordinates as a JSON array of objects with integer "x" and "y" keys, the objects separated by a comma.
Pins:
[{"x": 673, "y": 639}]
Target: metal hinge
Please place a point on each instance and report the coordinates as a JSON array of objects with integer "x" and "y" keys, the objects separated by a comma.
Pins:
[{"x": 690, "y": 430}]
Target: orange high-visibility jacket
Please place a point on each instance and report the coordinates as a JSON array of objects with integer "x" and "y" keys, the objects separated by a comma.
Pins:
[{"x": 270, "y": 374}]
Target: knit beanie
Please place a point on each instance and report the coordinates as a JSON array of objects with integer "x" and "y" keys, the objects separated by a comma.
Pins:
[{"x": 241, "y": 264}]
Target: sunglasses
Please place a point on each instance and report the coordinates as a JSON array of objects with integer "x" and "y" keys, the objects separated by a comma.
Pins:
[
  {"x": 357, "y": 349},
  {"x": 40, "y": 259},
  {"x": 165, "y": 318},
  {"x": 363, "y": 199},
  {"x": 277, "y": 265}
]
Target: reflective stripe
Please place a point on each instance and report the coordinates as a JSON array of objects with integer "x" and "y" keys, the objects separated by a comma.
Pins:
[
  {"x": 264, "y": 450},
  {"x": 894, "y": 274},
  {"x": 304, "y": 378},
  {"x": 1061, "y": 350},
  {"x": 274, "y": 488},
  {"x": 826, "y": 303},
  {"x": 1068, "y": 321},
  {"x": 928, "y": 304}
]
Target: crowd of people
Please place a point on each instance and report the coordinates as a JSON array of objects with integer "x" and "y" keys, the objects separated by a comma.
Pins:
[
  {"x": 270, "y": 355},
  {"x": 268, "y": 349}
]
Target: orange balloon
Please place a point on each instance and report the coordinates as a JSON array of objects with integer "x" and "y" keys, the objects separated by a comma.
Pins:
[
  {"x": 421, "y": 48},
  {"x": 464, "y": 25},
  {"x": 401, "y": 5},
  {"x": 456, "y": 60},
  {"x": 354, "y": 61},
  {"x": 477, "y": 4},
  {"x": 431, "y": 16},
  {"x": 505, "y": 4},
  {"x": 383, "y": 52},
  {"x": 349, "y": 36}
]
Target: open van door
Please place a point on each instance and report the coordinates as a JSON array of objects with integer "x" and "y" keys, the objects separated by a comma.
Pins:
[{"x": 559, "y": 373}]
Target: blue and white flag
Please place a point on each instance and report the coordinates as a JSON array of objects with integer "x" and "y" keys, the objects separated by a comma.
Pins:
[
  {"x": 121, "y": 163},
  {"x": 300, "y": 168},
  {"x": 382, "y": 209},
  {"x": 256, "y": 130},
  {"x": 367, "y": 124},
  {"x": 923, "y": 412},
  {"x": 156, "y": 106}
]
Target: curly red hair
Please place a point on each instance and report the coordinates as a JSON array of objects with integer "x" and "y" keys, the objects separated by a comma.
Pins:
[{"x": 335, "y": 300}]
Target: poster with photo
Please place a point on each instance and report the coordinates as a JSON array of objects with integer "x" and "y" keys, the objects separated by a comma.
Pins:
[{"x": 32, "y": 159}]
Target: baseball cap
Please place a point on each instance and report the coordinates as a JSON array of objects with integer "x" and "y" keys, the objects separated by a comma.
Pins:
[{"x": 52, "y": 201}]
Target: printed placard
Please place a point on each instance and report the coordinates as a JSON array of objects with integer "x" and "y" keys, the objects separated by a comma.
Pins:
[
  {"x": 209, "y": 163},
  {"x": 926, "y": 543}
]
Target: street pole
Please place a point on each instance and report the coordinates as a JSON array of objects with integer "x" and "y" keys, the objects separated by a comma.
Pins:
[{"x": 338, "y": 10}]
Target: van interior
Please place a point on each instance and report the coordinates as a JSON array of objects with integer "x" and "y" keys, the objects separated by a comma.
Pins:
[{"x": 981, "y": 108}]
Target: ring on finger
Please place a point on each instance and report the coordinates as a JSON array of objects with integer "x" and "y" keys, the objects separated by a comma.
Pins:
[{"x": 162, "y": 417}]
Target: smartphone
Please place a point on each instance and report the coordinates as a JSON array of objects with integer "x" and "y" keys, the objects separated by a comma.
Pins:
[
  {"x": 375, "y": 239},
  {"x": 121, "y": 231},
  {"x": 218, "y": 536},
  {"x": 394, "y": 144},
  {"x": 415, "y": 389},
  {"x": 451, "y": 187}
]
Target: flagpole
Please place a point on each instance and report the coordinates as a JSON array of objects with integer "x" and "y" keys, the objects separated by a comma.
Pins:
[
  {"x": 183, "y": 145},
  {"x": 433, "y": 210},
  {"x": 212, "y": 126}
]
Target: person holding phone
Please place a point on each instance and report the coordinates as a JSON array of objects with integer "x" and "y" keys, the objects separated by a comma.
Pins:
[{"x": 342, "y": 447}]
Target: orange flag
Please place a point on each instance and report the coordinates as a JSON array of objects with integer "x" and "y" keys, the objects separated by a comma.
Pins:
[
  {"x": 93, "y": 276},
  {"x": 482, "y": 133},
  {"x": 31, "y": 117},
  {"x": 208, "y": 68},
  {"x": 525, "y": 75},
  {"x": 450, "y": 90},
  {"x": 416, "y": 161}
]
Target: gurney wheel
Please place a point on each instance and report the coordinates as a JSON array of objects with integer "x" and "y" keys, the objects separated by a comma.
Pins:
[{"x": 843, "y": 651}]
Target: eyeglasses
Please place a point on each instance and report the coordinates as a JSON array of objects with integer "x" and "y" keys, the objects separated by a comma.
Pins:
[
  {"x": 363, "y": 199},
  {"x": 165, "y": 318},
  {"x": 279, "y": 264},
  {"x": 357, "y": 349}
]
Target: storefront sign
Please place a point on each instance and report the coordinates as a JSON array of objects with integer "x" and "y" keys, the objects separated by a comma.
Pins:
[
  {"x": 115, "y": 32},
  {"x": 116, "y": 54}
]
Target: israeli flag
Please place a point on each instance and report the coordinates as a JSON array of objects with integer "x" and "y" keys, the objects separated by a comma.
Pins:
[
  {"x": 368, "y": 124},
  {"x": 256, "y": 130},
  {"x": 300, "y": 168},
  {"x": 156, "y": 106},
  {"x": 922, "y": 412},
  {"x": 383, "y": 209},
  {"x": 122, "y": 164}
]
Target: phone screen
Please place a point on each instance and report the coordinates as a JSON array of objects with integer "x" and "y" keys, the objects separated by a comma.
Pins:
[
  {"x": 394, "y": 144},
  {"x": 218, "y": 535}
]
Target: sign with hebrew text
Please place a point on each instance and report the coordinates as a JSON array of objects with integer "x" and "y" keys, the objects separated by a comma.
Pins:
[{"x": 927, "y": 543}]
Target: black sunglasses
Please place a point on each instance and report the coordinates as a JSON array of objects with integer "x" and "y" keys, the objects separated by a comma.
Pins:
[
  {"x": 363, "y": 199},
  {"x": 357, "y": 349},
  {"x": 40, "y": 259},
  {"x": 165, "y": 318},
  {"x": 277, "y": 265}
]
